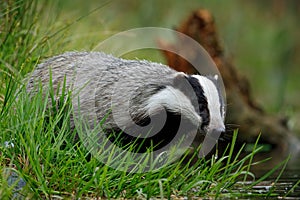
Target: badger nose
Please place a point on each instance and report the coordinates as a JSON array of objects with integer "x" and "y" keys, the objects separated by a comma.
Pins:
[
  {"x": 216, "y": 132},
  {"x": 219, "y": 130},
  {"x": 221, "y": 134}
]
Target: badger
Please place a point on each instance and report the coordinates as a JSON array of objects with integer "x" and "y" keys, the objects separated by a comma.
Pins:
[{"x": 141, "y": 101}]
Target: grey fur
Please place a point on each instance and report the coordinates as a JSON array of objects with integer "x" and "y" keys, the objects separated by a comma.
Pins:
[
  {"x": 103, "y": 71},
  {"x": 104, "y": 79}
]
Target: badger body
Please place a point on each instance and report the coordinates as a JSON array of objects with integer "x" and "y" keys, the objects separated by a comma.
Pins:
[{"x": 135, "y": 93}]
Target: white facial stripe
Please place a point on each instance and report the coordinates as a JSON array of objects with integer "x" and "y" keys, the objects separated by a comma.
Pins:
[
  {"x": 174, "y": 100},
  {"x": 212, "y": 95}
]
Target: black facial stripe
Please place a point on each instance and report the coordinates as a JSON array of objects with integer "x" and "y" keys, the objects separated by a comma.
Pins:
[{"x": 201, "y": 99}]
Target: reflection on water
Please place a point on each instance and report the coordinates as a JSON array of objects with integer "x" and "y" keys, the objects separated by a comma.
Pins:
[{"x": 289, "y": 177}]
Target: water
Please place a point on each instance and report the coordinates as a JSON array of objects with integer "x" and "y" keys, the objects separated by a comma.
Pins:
[{"x": 287, "y": 180}]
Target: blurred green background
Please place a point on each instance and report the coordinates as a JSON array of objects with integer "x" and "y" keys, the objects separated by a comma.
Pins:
[{"x": 261, "y": 37}]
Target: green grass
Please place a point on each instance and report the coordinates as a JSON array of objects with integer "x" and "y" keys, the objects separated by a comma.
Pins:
[
  {"x": 53, "y": 165},
  {"x": 45, "y": 154}
]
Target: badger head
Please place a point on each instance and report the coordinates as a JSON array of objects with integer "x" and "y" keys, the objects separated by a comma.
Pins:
[{"x": 195, "y": 98}]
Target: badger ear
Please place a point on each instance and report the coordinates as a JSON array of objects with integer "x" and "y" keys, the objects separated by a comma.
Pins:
[
  {"x": 180, "y": 75},
  {"x": 216, "y": 77}
]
